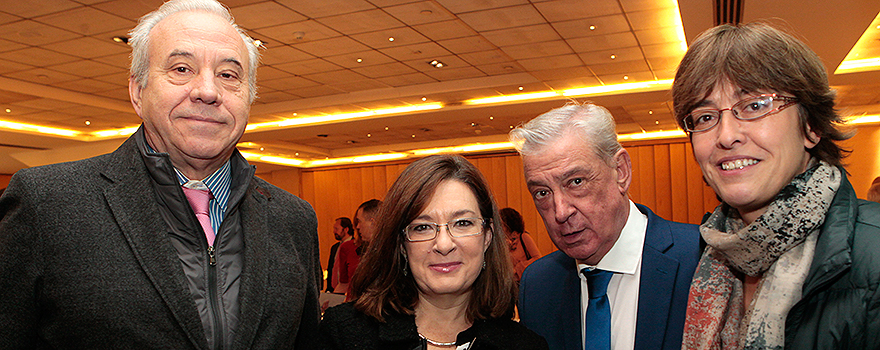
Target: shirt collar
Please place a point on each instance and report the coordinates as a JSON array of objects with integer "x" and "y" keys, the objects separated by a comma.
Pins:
[
  {"x": 218, "y": 182},
  {"x": 626, "y": 254}
]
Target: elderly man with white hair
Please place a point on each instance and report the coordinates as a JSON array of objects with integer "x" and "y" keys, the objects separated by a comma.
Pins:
[
  {"x": 621, "y": 275},
  {"x": 169, "y": 242}
]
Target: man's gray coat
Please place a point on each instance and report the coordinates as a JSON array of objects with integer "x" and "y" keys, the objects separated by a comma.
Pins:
[{"x": 85, "y": 263}]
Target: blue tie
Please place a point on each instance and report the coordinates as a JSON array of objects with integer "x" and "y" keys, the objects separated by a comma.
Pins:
[{"x": 598, "y": 319}]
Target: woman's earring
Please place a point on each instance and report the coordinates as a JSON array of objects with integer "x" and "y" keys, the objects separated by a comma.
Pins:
[{"x": 484, "y": 264}]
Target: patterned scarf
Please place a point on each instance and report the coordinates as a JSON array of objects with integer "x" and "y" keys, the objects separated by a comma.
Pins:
[{"x": 778, "y": 247}]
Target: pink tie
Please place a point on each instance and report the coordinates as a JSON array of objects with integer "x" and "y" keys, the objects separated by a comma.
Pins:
[{"x": 198, "y": 200}]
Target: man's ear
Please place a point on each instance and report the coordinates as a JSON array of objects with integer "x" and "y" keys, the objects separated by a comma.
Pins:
[
  {"x": 134, "y": 92},
  {"x": 623, "y": 166}
]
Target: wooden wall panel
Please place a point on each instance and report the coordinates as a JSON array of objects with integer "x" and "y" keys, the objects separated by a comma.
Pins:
[
  {"x": 665, "y": 178},
  {"x": 678, "y": 189},
  {"x": 662, "y": 182},
  {"x": 645, "y": 176},
  {"x": 4, "y": 180},
  {"x": 635, "y": 187}
]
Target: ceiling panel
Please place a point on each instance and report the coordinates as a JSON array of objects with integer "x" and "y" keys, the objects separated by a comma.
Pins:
[
  {"x": 310, "y": 64},
  {"x": 502, "y": 18},
  {"x": 419, "y": 13},
  {"x": 264, "y": 14}
]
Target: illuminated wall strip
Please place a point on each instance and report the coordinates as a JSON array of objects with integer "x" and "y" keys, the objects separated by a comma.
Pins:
[
  {"x": 38, "y": 129},
  {"x": 341, "y": 117},
  {"x": 513, "y": 98},
  {"x": 865, "y": 119},
  {"x": 862, "y": 65},
  {"x": 644, "y": 86}
]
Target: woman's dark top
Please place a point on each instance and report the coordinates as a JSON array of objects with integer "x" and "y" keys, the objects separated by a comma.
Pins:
[{"x": 345, "y": 328}]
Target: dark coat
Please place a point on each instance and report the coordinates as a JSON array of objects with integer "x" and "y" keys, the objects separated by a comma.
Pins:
[
  {"x": 86, "y": 263},
  {"x": 840, "y": 307},
  {"x": 345, "y": 328},
  {"x": 550, "y": 290}
]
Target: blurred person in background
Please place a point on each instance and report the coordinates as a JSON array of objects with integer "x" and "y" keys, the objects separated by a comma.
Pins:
[{"x": 523, "y": 250}]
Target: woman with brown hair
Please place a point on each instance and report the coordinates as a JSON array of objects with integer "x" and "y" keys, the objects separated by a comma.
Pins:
[
  {"x": 792, "y": 259},
  {"x": 437, "y": 274}
]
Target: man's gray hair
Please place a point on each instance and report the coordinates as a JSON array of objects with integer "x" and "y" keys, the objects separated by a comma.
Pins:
[
  {"x": 139, "y": 38},
  {"x": 594, "y": 123}
]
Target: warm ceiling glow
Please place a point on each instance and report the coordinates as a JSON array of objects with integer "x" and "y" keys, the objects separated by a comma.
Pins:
[
  {"x": 654, "y": 135},
  {"x": 859, "y": 59},
  {"x": 864, "y": 119},
  {"x": 418, "y": 153},
  {"x": 114, "y": 132},
  {"x": 341, "y": 117},
  {"x": 38, "y": 129},
  {"x": 644, "y": 86},
  {"x": 512, "y": 98}
]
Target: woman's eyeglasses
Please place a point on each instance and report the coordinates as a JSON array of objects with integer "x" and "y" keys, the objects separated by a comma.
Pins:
[
  {"x": 705, "y": 118},
  {"x": 426, "y": 231}
]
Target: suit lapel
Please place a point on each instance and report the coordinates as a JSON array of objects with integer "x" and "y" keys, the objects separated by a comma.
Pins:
[
  {"x": 570, "y": 315},
  {"x": 254, "y": 276},
  {"x": 131, "y": 200},
  {"x": 658, "y": 274}
]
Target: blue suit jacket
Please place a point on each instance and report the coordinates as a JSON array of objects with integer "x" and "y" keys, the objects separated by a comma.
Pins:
[{"x": 550, "y": 291}]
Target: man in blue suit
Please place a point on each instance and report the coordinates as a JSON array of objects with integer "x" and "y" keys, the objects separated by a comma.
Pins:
[{"x": 578, "y": 175}]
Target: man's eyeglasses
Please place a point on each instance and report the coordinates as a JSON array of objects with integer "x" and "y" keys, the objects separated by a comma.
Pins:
[
  {"x": 426, "y": 231},
  {"x": 702, "y": 119}
]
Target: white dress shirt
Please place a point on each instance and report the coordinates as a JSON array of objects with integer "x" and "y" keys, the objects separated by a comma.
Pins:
[{"x": 625, "y": 260}]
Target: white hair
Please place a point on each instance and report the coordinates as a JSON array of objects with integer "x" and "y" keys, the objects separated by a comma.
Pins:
[
  {"x": 139, "y": 38},
  {"x": 594, "y": 123}
]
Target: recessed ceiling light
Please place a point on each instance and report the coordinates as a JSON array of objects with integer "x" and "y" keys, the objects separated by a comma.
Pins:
[
  {"x": 424, "y": 98},
  {"x": 414, "y": 135},
  {"x": 626, "y": 77},
  {"x": 436, "y": 64},
  {"x": 613, "y": 56},
  {"x": 391, "y": 39},
  {"x": 359, "y": 60},
  {"x": 656, "y": 122},
  {"x": 8, "y": 110},
  {"x": 592, "y": 27},
  {"x": 262, "y": 149},
  {"x": 88, "y": 123},
  {"x": 369, "y": 135},
  {"x": 296, "y": 154},
  {"x": 121, "y": 39},
  {"x": 258, "y": 43},
  {"x": 491, "y": 117},
  {"x": 386, "y": 128},
  {"x": 520, "y": 88},
  {"x": 650, "y": 112}
]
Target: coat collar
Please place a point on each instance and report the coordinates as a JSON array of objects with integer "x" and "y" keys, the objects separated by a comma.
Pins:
[
  {"x": 659, "y": 272},
  {"x": 834, "y": 247},
  {"x": 131, "y": 174},
  {"x": 130, "y": 198}
]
